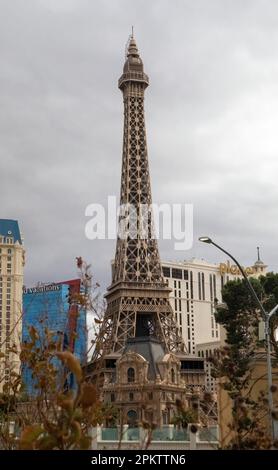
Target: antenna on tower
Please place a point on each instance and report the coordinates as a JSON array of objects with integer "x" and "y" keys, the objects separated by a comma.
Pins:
[
  {"x": 258, "y": 250},
  {"x": 128, "y": 41}
]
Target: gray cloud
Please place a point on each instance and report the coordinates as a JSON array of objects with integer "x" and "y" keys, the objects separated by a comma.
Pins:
[{"x": 211, "y": 111}]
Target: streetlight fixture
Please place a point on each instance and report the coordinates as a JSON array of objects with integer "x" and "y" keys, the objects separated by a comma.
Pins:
[
  {"x": 205, "y": 239},
  {"x": 266, "y": 318}
]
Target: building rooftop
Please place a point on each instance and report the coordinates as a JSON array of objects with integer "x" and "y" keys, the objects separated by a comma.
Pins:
[
  {"x": 191, "y": 261},
  {"x": 10, "y": 228},
  {"x": 149, "y": 348}
]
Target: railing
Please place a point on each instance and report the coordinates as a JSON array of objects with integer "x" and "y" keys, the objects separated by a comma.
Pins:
[
  {"x": 169, "y": 433},
  {"x": 209, "y": 434},
  {"x": 135, "y": 76},
  {"x": 116, "y": 434}
]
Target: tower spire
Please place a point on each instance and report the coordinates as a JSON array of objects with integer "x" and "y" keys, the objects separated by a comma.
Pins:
[
  {"x": 140, "y": 354},
  {"x": 138, "y": 298},
  {"x": 259, "y": 265}
]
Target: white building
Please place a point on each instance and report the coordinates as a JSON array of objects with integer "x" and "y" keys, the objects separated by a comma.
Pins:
[
  {"x": 196, "y": 287},
  {"x": 207, "y": 350},
  {"x": 11, "y": 284}
]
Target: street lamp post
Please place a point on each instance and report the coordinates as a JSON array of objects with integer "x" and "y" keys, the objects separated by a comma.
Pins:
[{"x": 266, "y": 317}]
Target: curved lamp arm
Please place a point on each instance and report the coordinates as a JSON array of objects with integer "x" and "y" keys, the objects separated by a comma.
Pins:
[{"x": 249, "y": 285}]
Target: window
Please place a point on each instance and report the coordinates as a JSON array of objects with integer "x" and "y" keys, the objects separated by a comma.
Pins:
[
  {"x": 173, "y": 376},
  {"x": 214, "y": 286},
  {"x": 192, "y": 365},
  {"x": 131, "y": 396},
  {"x": 203, "y": 286},
  {"x": 166, "y": 271},
  {"x": 130, "y": 375},
  {"x": 191, "y": 284},
  {"x": 112, "y": 397},
  {"x": 199, "y": 286},
  {"x": 150, "y": 395},
  {"x": 185, "y": 275},
  {"x": 132, "y": 417},
  {"x": 177, "y": 273},
  {"x": 210, "y": 287}
]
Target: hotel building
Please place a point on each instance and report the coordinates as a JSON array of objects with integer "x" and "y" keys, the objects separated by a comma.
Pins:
[
  {"x": 196, "y": 289},
  {"x": 11, "y": 284},
  {"x": 56, "y": 308}
]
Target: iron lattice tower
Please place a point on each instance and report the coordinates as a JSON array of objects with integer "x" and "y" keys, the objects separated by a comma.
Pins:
[{"x": 138, "y": 298}]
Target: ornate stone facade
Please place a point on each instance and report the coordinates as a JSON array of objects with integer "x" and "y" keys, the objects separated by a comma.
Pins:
[{"x": 147, "y": 382}]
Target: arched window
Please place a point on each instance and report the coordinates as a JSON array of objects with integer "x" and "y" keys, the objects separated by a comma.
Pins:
[
  {"x": 130, "y": 374},
  {"x": 172, "y": 375},
  {"x": 132, "y": 417}
]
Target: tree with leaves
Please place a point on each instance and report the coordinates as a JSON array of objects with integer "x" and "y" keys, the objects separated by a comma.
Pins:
[{"x": 236, "y": 363}]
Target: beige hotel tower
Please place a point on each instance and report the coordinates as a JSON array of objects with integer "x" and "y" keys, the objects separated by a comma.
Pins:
[{"x": 11, "y": 284}]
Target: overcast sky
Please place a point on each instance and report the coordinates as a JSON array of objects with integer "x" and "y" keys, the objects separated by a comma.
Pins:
[{"x": 211, "y": 114}]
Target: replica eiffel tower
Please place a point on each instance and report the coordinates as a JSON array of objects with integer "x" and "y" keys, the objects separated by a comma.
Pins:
[{"x": 139, "y": 321}]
